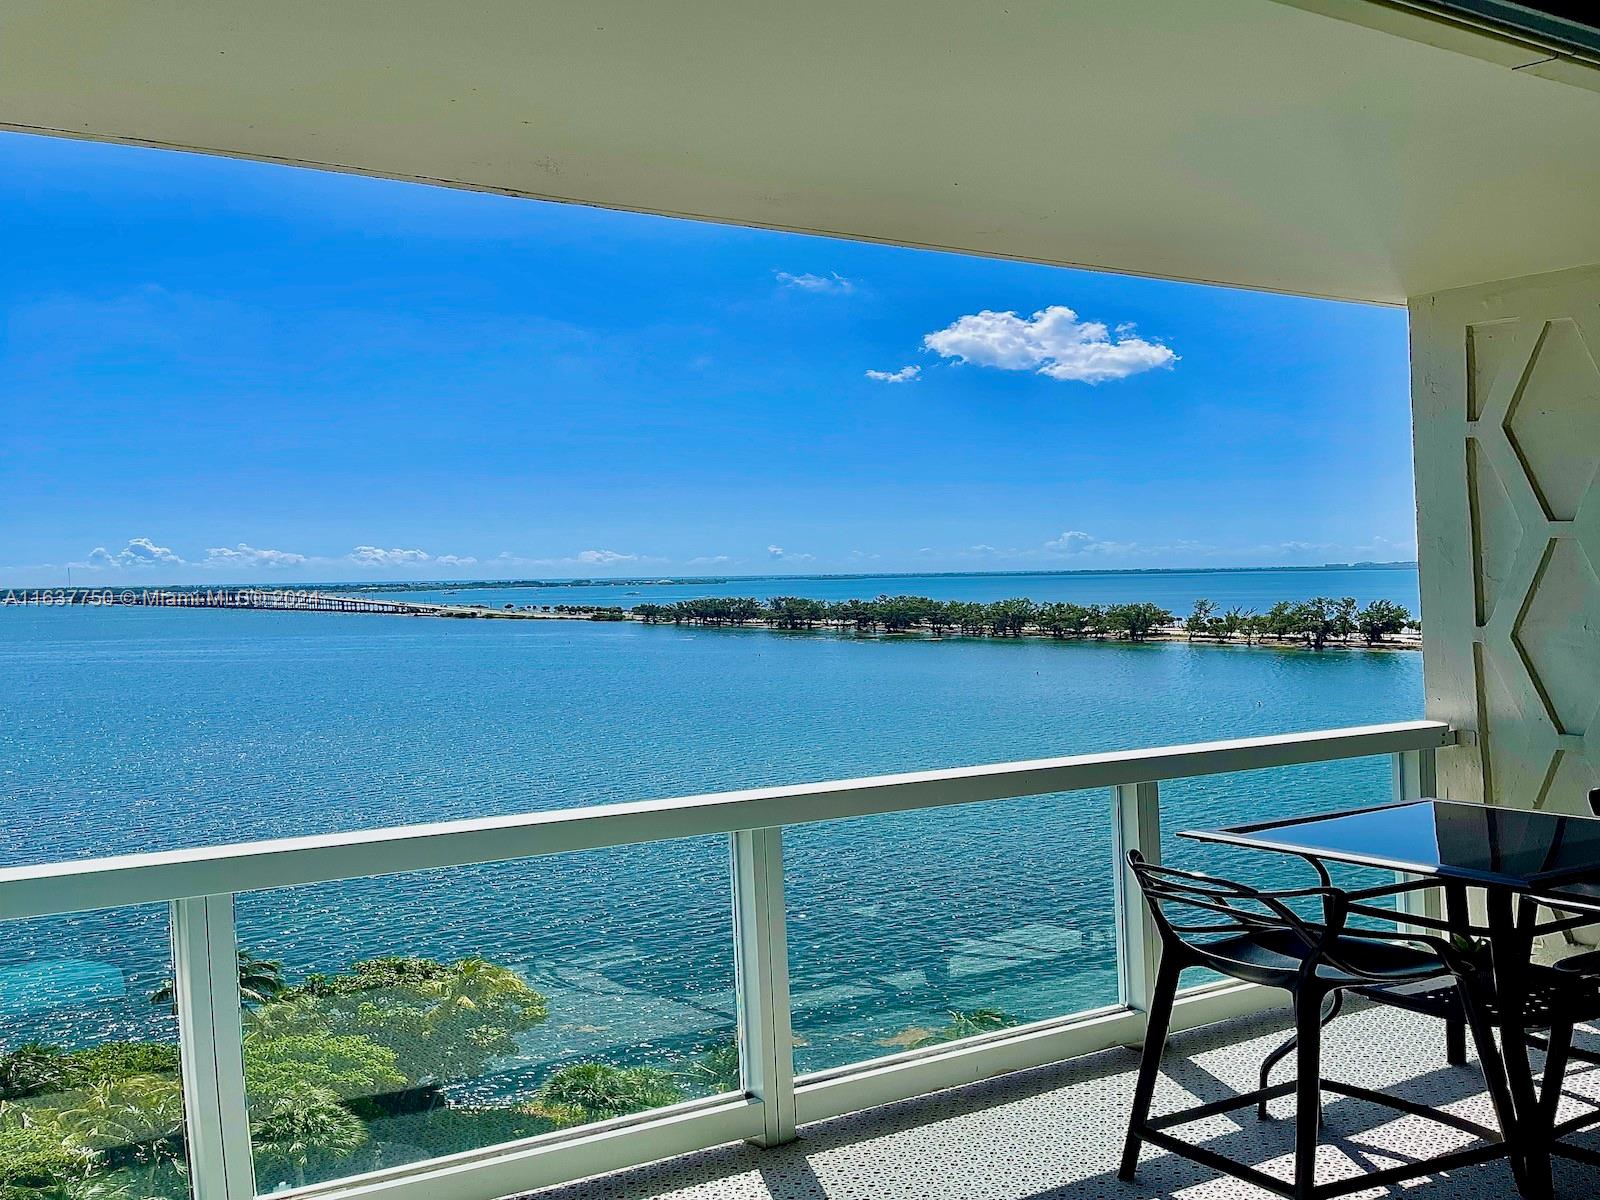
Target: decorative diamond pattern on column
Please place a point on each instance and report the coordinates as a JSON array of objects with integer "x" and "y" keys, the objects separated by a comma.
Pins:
[
  {"x": 1496, "y": 531},
  {"x": 1554, "y": 419},
  {"x": 1558, "y": 636},
  {"x": 1533, "y": 429}
]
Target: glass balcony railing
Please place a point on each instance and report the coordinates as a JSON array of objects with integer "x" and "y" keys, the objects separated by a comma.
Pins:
[
  {"x": 345, "y": 1012},
  {"x": 91, "y": 1084}
]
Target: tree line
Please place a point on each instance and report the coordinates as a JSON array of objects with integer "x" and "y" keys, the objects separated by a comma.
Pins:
[
  {"x": 341, "y": 1070},
  {"x": 1316, "y": 622}
]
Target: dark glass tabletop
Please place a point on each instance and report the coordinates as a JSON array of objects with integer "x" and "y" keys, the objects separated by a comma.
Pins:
[{"x": 1444, "y": 839}]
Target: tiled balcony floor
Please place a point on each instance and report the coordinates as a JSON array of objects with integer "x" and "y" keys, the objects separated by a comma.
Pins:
[{"x": 1055, "y": 1133}]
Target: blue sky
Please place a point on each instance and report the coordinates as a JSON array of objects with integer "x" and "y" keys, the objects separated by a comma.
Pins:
[{"x": 213, "y": 370}]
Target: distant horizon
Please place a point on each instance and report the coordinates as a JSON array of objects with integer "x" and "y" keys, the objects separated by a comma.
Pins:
[{"x": 654, "y": 580}]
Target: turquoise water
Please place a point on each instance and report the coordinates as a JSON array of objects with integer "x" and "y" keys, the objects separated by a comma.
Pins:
[
  {"x": 1176, "y": 590},
  {"x": 133, "y": 729}
]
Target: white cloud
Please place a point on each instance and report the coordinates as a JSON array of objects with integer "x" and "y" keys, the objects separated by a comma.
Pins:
[
  {"x": 832, "y": 282},
  {"x": 1052, "y": 342},
  {"x": 456, "y": 560},
  {"x": 377, "y": 556},
  {"x": 139, "y": 552},
  {"x": 1076, "y": 541},
  {"x": 903, "y": 375},
  {"x": 778, "y": 552},
  {"x": 709, "y": 560},
  {"x": 243, "y": 555},
  {"x": 605, "y": 558},
  {"x": 1070, "y": 542}
]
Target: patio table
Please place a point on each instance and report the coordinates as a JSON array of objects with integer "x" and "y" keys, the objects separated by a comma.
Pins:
[{"x": 1518, "y": 858}]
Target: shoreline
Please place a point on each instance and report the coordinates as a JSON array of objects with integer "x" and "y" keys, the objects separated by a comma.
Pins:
[
  {"x": 1285, "y": 628},
  {"x": 1167, "y": 634}
]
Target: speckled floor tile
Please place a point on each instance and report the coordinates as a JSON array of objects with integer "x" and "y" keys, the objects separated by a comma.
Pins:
[{"x": 1054, "y": 1133}]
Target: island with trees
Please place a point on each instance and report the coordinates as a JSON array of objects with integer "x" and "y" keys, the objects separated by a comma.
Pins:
[{"x": 1318, "y": 623}]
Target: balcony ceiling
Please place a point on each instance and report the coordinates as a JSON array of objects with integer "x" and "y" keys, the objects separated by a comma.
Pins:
[{"x": 1247, "y": 142}]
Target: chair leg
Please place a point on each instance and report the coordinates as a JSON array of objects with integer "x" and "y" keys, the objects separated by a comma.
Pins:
[
  {"x": 1494, "y": 1077},
  {"x": 1282, "y": 1052},
  {"x": 1155, "y": 1040},
  {"x": 1307, "y": 1092},
  {"x": 1455, "y": 1041},
  {"x": 1555, "y": 1071}
]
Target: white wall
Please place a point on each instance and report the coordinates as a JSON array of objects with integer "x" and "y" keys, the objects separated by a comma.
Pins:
[{"x": 1506, "y": 405}]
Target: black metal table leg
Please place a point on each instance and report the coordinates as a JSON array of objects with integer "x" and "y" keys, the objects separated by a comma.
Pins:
[{"x": 1511, "y": 951}]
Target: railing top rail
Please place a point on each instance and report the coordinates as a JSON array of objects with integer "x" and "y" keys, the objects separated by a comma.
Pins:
[{"x": 44, "y": 889}]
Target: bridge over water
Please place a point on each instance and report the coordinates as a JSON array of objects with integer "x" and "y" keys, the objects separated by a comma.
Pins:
[{"x": 282, "y": 599}]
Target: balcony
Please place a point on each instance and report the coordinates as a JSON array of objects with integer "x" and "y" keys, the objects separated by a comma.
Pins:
[
  {"x": 227, "y": 1041},
  {"x": 1055, "y": 1132}
]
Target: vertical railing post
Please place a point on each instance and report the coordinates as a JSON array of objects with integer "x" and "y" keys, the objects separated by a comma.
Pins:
[
  {"x": 205, "y": 968},
  {"x": 766, "y": 1039},
  {"x": 1416, "y": 778},
  {"x": 1135, "y": 825}
]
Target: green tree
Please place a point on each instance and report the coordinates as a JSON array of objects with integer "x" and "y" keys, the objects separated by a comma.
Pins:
[
  {"x": 1136, "y": 622},
  {"x": 29, "y": 1069},
  {"x": 598, "y": 1091},
  {"x": 971, "y": 618},
  {"x": 717, "y": 1070},
  {"x": 1315, "y": 621},
  {"x": 442, "y": 1021},
  {"x": 349, "y": 1066},
  {"x": 140, "y": 1115},
  {"x": 856, "y": 613},
  {"x": 300, "y": 1131},
  {"x": 36, "y": 1159},
  {"x": 796, "y": 612},
  {"x": 1011, "y": 618},
  {"x": 1345, "y": 618},
  {"x": 1279, "y": 621},
  {"x": 1199, "y": 622},
  {"x": 1381, "y": 618},
  {"x": 260, "y": 980},
  {"x": 1232, "y": 623},
  {"x": 1096, "y": 621}
]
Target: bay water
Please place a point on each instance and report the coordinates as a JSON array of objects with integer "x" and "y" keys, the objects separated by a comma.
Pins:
[{"x": 128, "y": 729}]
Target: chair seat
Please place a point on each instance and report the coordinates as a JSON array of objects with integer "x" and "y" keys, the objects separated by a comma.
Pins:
[
  {"x": 1587, "y": 963},
  {"x": 1273, "y": 957}
]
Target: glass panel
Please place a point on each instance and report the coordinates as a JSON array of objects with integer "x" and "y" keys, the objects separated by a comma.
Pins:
[
  {"x": 90, "y": 1098},
  {"x": 1213, "y": 801},
  {"x": 410, "y": 1016},
  {"x": 913, "y": 928}
]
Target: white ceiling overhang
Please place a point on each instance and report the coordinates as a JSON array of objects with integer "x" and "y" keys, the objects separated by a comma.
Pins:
[{"x": 1245, "y": 142}]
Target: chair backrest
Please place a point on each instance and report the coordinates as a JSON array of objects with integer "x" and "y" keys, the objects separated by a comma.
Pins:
[
  {"x": 1203, "y": 916},
  {"x": 1221, "y": 923}
]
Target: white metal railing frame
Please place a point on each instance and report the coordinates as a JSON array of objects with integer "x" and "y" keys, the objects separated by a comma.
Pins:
[{"x": 200, "y": 885}]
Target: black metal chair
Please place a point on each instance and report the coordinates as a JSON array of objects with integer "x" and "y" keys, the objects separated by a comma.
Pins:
[
  {"x": 1573, "y": 998},
  {"x": 1259, "y": 937}
]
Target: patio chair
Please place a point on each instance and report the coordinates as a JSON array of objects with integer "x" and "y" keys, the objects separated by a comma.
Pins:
[
  {"x": 1575, "y": 1000},
  {"x": 1258, "y": 937}
]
